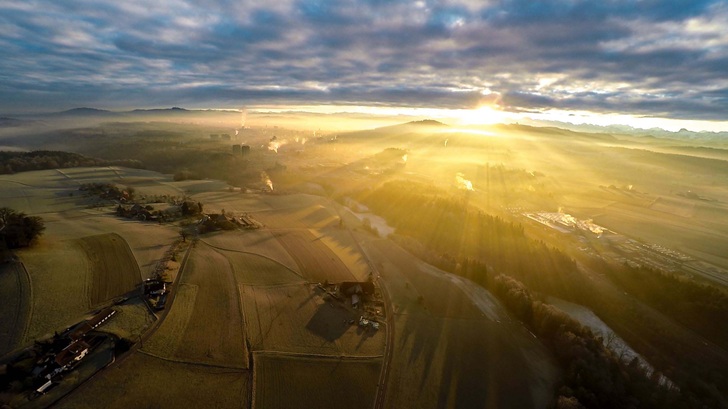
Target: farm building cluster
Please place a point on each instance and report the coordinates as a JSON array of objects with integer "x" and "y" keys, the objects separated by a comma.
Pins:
[
  {"x": 159, "y": 212},
  {"x": 43, "y": 365},
  {"x": 361, "y": 296},
  {"x": 225, "y": 221},
  {"x": 155, "y": 292}
]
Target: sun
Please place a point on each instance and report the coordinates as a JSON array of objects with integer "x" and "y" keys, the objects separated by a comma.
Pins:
[{"x": 482, "y": 115}]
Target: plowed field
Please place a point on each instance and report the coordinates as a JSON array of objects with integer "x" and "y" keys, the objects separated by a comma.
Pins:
[
  {"x": 296, "y": 318},
  {"x": 316, "y": 261},
  {"x": 214, "y": 333},
  {"x": 59, "y": 273},
  {"x": 14, "y": 305},
  {"x": 143, "y": 381},
  {"x": 285, "y": 381},
  {"x": 113, "y": 269},
  {"x": 260, "y": 242},
  {"x": 167, "y": 338}
]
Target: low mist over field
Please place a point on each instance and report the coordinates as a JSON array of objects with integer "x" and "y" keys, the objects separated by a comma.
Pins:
[{"x": 363, "y": 204}]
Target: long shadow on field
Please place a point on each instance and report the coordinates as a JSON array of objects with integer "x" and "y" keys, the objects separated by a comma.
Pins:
[{"x": 329, "y": 322}]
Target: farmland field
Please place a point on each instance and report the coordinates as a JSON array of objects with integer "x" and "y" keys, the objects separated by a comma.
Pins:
[
  {"x": 143, "y": 381},
  {"x": 289, "y": 381},
  {"x": 260, "y": 242},
  {"x": 252, "y": 269},
  {"x": 297, "y": 211},
  {"x": 15, "y": 305},
  {"x": 132, "y": 319},
  {"x": 112, "y": 266},
  {"x": 296, "y": 318},
  {"x": 167, "y": 338},
  {"x": 235, "y": 202},
  {"x": 316, "y": 261},
  {"x": 215, "y": 331},
  {"x": 59, "y": 272},
  {"x": 72, "y": 276},
  {"x": 341, "y": 242}
]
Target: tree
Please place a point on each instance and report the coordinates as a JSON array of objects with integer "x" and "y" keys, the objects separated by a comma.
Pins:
[
  {"x": 18, "y": 229},
  {"x": 568, "y": 403}
]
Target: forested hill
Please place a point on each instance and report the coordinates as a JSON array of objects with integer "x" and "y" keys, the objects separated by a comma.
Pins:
[
  {"x": 14, "y": 162},
  {"x": 456, "y": 229}
]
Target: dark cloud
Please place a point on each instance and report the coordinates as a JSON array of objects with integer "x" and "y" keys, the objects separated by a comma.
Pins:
[{"x": 645, "y": 57}]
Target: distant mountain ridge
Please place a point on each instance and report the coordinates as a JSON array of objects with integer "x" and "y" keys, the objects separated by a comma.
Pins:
[
  {"x": 83, "y": 111},
  {"x": 426, "y": 122},
  {"x": 541, "y": 126},
  {"x": 87, "y": 111},
  {"x": 414, "y": 125},
  {"x": 629, "y": 130}
]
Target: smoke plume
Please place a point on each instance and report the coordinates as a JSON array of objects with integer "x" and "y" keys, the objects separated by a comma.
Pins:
[
  {"x": 266, "y": 179},
  {"x": 274, "y": 145},
  {"x": 463, "y": 183}
]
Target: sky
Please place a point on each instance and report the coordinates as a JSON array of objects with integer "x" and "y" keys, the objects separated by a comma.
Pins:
[{"x": 662, "y": 62}]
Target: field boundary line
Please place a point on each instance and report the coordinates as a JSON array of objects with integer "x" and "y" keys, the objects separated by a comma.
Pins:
[
  {"x": 279, "y": 285},
  {"x": 31, "y": 300},
  {"x": 182, "y": 361},
  {"x": 65, "y": 175},
  {"x": 318, "y": 356},
  {"x": 241, "y": 307},
  {"x": 255, "y": 254},
  {"x": 254, "y": 381},
  {"x": 115, "y": 169}
]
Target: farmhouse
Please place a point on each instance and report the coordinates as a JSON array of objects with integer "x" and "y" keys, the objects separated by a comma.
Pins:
[{"x": 66, "y": 350}]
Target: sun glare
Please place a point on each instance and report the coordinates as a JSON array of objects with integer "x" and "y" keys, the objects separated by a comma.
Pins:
[{"x": 483, "y": 115}]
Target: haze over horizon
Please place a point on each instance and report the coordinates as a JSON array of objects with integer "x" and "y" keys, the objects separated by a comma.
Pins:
[{"x": 638, "y": 63}]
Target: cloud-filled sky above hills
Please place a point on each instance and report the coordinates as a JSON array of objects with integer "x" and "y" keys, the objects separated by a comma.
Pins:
[{"x": 666, "y": 59}]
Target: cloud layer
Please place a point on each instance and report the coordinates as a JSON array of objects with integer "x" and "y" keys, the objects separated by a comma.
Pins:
[{"x": 642, "y": 57}]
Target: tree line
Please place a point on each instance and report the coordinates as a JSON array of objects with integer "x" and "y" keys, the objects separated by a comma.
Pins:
[
  {"x": 14, "y": 162},
  {"x": 696, "y": 305},
  {"x": 594, "y": 376},
  {"x": 457, "y": 230},
  {"x": 18, "y": 229}
]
